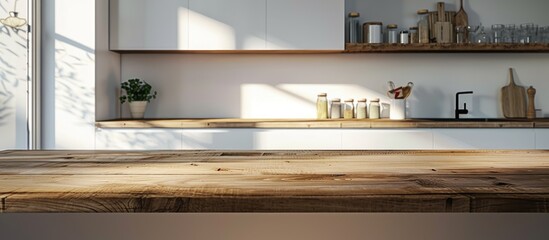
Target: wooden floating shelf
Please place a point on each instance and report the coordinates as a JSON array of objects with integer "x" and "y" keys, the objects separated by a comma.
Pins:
[
  {"x": 319, "y": 124},
  {"x": 445, "y": 48},
  {"x": 373, "y": 48}
]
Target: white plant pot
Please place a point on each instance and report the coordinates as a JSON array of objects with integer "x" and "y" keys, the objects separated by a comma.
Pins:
[{"x": 137, "y": 109}]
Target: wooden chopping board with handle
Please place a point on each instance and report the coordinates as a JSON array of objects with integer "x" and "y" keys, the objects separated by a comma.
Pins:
[{"x": 513, "y": 99}]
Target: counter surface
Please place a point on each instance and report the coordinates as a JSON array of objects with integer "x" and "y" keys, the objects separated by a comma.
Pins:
[
  {"x": 274, "y": 181},
  {"x": 329, "y": 123}
]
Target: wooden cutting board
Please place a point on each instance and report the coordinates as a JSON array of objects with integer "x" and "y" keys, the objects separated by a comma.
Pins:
[
  {"x": 462, "y": 20},
  {"x": 442, "y": 26},
  {"x": 513, "y": 99}
]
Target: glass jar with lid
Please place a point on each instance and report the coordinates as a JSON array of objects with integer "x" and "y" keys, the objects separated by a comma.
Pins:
[
  {"x": 423, "y": 26},
  {"x": 361, "y": 108},
  {"x": 353, "y": 27},
  {"x": 414, "y": 38},
  {"x": 374, "y": 108},
  {"x": 335, "y": 109},
  {"x": 392, "y": 33},
  {"x": 348, "y": 109},
  {"x": 322, "y": 106}
]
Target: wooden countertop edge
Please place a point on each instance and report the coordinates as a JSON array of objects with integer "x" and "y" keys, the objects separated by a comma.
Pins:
[
  {"x": 370, "y": 203},
  {"x": 315, "y": 124}
]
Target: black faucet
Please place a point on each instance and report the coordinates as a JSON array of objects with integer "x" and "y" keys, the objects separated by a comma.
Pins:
[{"x": 464, "y": 110}]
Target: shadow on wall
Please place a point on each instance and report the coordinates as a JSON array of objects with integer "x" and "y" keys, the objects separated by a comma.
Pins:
[
  {"x": 74, "y": 96},
  {"x": 12, "y": 41},
  {"x": 146, "y": 139}
]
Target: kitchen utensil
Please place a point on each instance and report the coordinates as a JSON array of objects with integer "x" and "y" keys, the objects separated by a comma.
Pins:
[
  {"x": 462, "y": 20},
  {"x": 442, "y": 26},
  {"x": 531, "y": 112},
  {"x": 406, "y": 91},
  {"x": 513, "y": 99}
]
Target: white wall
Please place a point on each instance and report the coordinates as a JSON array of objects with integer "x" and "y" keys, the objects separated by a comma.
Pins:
[
  {"x": 285, "y": 85},
  {"x": 13, "y": 80},
  {"x": 68, "y": 75}
]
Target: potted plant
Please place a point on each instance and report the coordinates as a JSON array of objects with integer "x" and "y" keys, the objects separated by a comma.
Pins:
[{"x": 138, "y": 95}]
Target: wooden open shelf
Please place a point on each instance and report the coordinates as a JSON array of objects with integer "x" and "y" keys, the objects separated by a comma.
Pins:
[
  {"x": 319, "y": 124},
  {"x": 445, "y": 48},
  {"x": 374, "y": 48}
]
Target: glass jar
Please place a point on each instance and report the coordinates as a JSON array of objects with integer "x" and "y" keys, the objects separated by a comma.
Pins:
[
  {"x": 414, "y": 38},
  {"x": 361, "y": 108},
  {"x": 353, "y": 27},
  {"x": 348, "y": 109},
  {"x": 374, "y": 108},
  {"x": 322, "y": 106},
  {"x": 423, "y": 26},
  {"x": 335, "y": 109},
  {"x": 392, "y": 33}
]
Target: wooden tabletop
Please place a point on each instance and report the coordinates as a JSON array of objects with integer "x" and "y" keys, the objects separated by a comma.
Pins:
[
  {"x": 328, "y": 123},
  {"x": 274, "y": 181}
]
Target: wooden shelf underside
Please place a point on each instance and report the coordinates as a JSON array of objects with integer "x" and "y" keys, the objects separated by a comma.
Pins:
[{"x": 374, "y": 48}]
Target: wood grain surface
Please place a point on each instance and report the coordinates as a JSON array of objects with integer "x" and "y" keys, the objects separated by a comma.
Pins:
[
  {"x": 513, "y": 99},
  {"x": 274, "y": 181}
]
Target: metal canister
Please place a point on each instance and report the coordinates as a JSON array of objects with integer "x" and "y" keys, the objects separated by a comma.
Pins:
[
  {"x": 404, "y": 37},
  {"x": 392, "y": 33},
  {"x": 372, "y": 32}
]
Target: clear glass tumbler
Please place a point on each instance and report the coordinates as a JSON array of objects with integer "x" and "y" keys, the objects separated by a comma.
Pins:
[
  {"x": 510, "y": 34},
  {"x": 497, "y": 33},
  {"x": 526, "y": 31}
]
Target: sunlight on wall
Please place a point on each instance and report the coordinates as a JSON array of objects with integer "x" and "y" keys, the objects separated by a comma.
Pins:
[
  {"x": 13, "y": 81},
  {"x": 74, "y": 75},
  {"x": 295, "y": 100},
  {"x": 182, "y": 27},
  {"x": 210, "y": 33},
  {"x": 145, "y": 139}
]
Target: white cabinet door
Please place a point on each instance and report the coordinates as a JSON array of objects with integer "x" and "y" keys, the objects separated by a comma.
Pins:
[
  {"x": 484, "y": 138},
  {"x": 218, "y": 139},
  {"x": 138, "y": 139},
  {"x": 227, "y": 24},
  {"x": 149, "y": 25},
  {"x": 387, "y": 139},
  {"x": 297, "y": 139},
  {"x": 542, "y": 139},
  {"x": 305, "y": 24}
]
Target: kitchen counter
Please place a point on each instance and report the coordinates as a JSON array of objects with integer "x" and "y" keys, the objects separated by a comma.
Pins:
[
  {"x": 274, "y": 181},
  {"x": 330, "y": 123}
]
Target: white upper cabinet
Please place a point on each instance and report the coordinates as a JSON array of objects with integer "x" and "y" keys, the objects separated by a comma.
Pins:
[
  {"x": 227, "y": 24},
  {"x": 305, "y": 24},
  {"x": 149, "y": 24}
]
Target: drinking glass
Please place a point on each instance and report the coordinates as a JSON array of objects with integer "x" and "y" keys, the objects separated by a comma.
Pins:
[
  {"x": 482, "y": 37},
  {"x": 510, "y": 33},
  {"x": 497, "y": 33},
  {"x": 460, "y": 34},
  {"x": 473, "y": 31},
  {"x": 526, "y": 31}
]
